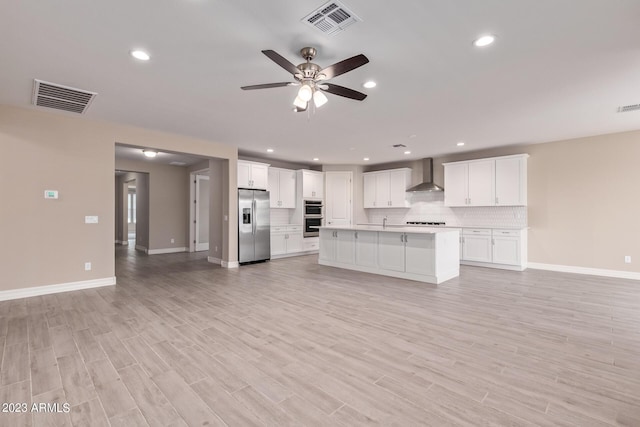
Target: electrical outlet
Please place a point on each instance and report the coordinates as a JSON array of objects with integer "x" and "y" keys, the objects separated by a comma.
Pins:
[
  {"x": 173, "y": 240},
  {"x": 627, "y": 259},
  {"x": 87, "y": 266}
]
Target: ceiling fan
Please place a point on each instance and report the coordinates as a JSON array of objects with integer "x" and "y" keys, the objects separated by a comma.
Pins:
[{"x": 311, "y": 78}]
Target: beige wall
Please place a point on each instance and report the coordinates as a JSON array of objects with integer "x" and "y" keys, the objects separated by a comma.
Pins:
[
  {"x": 168, "y": 202},
  {"x": 46, "y": 241},
  {"x": 584, "y": 199}
]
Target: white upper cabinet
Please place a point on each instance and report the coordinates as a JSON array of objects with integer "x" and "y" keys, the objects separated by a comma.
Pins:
[
  {"x": 312, "y": 184},
  {"x": 511, "y": 181},
  {"x": 282, "y": 188},
  {"x": 386, "y": 189},
  {"x": 498, "y": 181},
  {"x": 253, "y": 175}
]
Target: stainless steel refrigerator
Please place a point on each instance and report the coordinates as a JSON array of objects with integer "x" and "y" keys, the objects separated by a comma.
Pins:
[{"x": 254, "y": 234}]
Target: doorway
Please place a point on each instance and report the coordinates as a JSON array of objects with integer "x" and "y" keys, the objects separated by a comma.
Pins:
[
  {"x": 200, "y": 191},
  {"x": 131, "y": 213}
]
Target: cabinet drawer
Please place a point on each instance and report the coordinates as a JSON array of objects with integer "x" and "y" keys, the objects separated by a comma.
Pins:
[
  {"x": 476, "y": 232},
  {"x": 294, "y": 228},
  {"x": 310, "y": 246},
  {"x": 498, "y": 233},
  {"x": 279, "y": 229}
]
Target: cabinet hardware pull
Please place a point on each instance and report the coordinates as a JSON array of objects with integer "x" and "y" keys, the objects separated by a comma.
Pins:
[{"x": 356, "y": 236}]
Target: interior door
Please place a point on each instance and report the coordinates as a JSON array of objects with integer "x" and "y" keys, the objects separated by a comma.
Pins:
[
  {"x": 338, "y": 198},
  {"x": 202, "y": 213}
]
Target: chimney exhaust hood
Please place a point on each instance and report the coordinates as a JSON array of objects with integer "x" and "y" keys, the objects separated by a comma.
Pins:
[{"x": 427, "y": 178}]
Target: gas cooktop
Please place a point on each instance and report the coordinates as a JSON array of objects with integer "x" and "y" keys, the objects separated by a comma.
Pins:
[{"x": 431, "y": 223}]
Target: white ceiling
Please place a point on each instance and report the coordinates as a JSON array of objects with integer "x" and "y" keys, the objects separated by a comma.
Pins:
[{"x": 559, "y": 69}]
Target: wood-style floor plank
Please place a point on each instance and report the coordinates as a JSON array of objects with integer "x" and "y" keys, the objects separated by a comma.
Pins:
[{"x": 180, "y": 341}]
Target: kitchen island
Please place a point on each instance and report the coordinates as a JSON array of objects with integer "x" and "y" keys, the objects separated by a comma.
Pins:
[{"x": 423, "y": 254}]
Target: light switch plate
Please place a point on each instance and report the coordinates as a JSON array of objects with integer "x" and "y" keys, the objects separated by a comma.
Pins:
[{"x": 91, "y": 219}]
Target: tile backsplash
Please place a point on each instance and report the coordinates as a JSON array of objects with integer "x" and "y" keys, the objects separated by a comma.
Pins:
[{"x": 430, "y": 207}]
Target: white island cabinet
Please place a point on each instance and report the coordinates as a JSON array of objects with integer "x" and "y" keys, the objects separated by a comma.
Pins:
[{"x": 429, "y": 255}]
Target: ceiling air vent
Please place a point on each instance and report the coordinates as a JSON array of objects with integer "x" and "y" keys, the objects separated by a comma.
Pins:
[
  {"x": 52, "y": 95},
  {"x": 331, "y": 18},
  {"x": 626, "y": 108}
]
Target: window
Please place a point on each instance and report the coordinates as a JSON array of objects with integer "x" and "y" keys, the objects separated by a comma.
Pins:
[{"x": 132, "y": 208}]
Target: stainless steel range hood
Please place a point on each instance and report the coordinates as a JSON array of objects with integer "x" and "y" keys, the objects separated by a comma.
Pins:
[{"x": 427, "y": 178}]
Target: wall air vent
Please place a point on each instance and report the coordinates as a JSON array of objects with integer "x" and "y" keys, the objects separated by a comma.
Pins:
[
  {"x": 626, "y": 108},
  {"x": 331, "y": 18},
  {"x": 52, "y": 95}
]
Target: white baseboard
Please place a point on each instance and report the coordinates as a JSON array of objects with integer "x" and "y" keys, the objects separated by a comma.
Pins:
[
  {"x": 585, "y": 270},
  {"x": 141, "y": 248},
  {"x": 166, "y": 251},
  {"x": 54, "y": 289},
  {"x": 230, "y": 264},
  {"x": 225, "y": 264},
  {"x": 122, "y": 242}
]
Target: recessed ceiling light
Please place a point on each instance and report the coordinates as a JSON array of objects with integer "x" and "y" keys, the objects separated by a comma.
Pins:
[
  {"x": 484, "y": 40},
  {"x": 150, "y": 153},
  {"x": 366, "y": 159},
  {"x": 460, "y": 144},
  {"x": 269, "y": 150},
  {"x": 370, "y": 84},
  {"x": 407, "y": 152},
  {"x": 315, "y": 159},
  {"x": 140, "y": 54}
]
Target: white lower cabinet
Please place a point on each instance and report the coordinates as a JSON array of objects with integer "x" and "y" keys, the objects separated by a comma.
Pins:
[
  {"x": 420, "y": 254},
  {"x": 286, "y": 239},
  {"x": 391, "y": 251},
  {"x": 476, "y": 244},
  {"x": 367, "y": 248},
  {"x": 497, "y": 248},
  {"x": 426, "y": 257}
]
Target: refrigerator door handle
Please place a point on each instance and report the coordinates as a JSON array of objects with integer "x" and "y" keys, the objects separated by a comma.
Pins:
[{"x": 253, "y": 225}]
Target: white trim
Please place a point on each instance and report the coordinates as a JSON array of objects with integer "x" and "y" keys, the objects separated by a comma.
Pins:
[
  {"x": 230, "y": 264},
  {"x": 166, "y": 251},
  {"x": 214, "y": 260},
  {"x": 54, "y": 289},
  {"x": 586, "y": 270},
  {"x": 142, "y": 248},
  {"x": 122, "y": 242},
  {"x": 494, "y": 265},
  {"x": 292, "y": 254}
]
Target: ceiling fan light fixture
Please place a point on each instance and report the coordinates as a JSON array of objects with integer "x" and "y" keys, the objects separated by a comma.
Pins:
[
  {"x": 300, "y": 103},
  {"x": 305, "y": 93},
  {"x": 319, "y": 99}
]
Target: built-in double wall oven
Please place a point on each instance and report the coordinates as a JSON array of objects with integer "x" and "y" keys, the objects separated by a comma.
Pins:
[{"x": 312, "y": 217}]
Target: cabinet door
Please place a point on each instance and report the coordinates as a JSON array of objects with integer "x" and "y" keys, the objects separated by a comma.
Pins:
[
  {"x": 310, "y": 185},
  {"x": 274, "y": 188},
  {"x": 509, "y": 182},
  {"x": 369, "y": 192},
  {"x": 244, "y": 174},
  {"x": 398, "y": 189},
  {"x": 278, "y": 244},
  {"x": 287, "y": 189},
  {"x": 259, "y": 176},
  {"x": 477, "y": 248},
  {"x": 345, "y": 247},
  {"x": 382, "y": 190},
  {"x": 506, "y": 250},
  {"x": 391, "y": 251},
  {"x": 294, "y": 242},
  {"x": 455, "y": 184},
  {"x": 367, "y": 248},
  {"x": 318, "y": 185},
  {"x": 327, "y": 245},
  {"x": 420, "y": 254},
  {"x": 481, "y": 183}
]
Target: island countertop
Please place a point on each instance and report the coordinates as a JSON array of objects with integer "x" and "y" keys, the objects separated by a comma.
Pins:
[{"x": 390, "y": 228}]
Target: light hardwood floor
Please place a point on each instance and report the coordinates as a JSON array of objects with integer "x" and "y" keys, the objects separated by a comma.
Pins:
[{"x": 180, "y": 342}]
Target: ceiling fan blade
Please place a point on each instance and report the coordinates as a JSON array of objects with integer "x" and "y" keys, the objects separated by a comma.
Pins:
[
  {"x": 281, "y": 61},
  {"x": 344, "y": 91},
  {"x": 344, "y": 66},
  {"x": 268, "y": 85}
]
